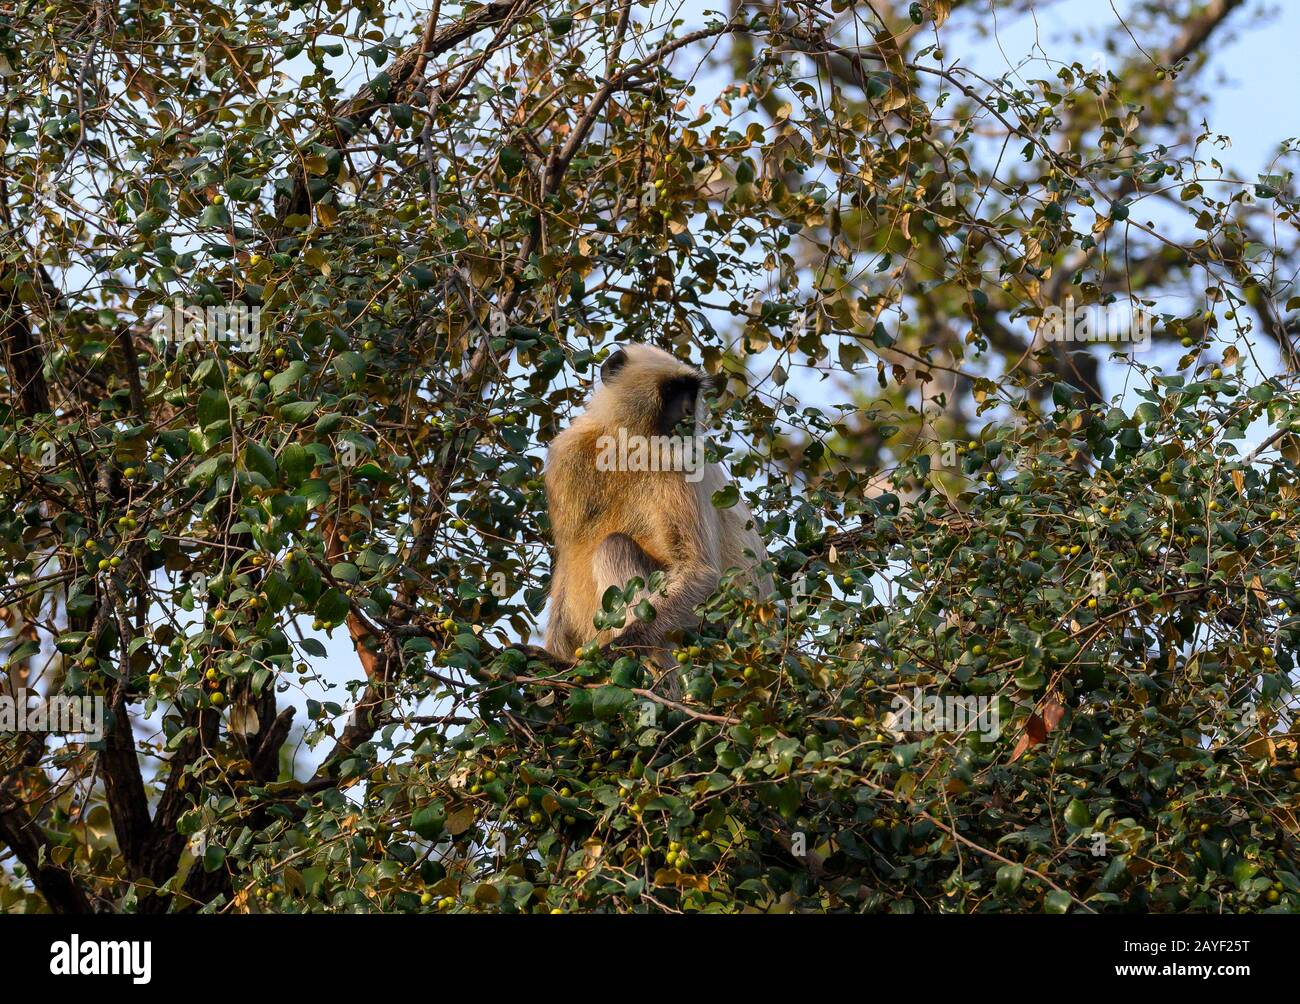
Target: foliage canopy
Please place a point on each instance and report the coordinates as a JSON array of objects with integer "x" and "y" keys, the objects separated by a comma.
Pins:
[{"x": 443, "y": 219}]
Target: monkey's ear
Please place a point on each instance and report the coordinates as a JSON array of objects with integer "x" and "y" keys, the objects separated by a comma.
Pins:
[{"x": 616, "y": 361}]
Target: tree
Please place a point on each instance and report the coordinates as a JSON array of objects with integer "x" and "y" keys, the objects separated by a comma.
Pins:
[{"x": 295, "y": 294}]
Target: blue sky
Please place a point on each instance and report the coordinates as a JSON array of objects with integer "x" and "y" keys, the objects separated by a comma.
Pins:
[{"x": 1254, "y": 70}]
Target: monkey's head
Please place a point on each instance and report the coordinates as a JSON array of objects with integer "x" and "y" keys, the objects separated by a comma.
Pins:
[{"x": 650, "y": 391}]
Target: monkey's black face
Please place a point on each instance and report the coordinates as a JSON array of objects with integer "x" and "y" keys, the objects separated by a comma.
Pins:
[
  {"x": 652, "y": 390},
  {"x": 677, "y": 415}
]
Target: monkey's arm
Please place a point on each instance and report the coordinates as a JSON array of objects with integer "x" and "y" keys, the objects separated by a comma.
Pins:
[
  {"x": 687, "y": 584},
  {"x": 563, "y": 634}
]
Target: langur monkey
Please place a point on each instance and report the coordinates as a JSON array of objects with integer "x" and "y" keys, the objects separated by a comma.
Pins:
[{"x": 622, "y": 507}]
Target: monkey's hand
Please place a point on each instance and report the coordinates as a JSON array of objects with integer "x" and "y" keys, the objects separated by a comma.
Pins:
[
  {"x": 625, "y": 645},
  {"x": 664, "y": 673}
]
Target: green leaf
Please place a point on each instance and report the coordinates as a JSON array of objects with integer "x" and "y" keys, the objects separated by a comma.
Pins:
[
  {"x": 212, "y": 407},
  {"x": 215, "y": 216},
  {"x": 626, "y": 672},
  {"x": 578, "y": 706},
  {"x": 349, "y": 364},
  {"x": 424, "y": 278},
  {"x": 429, "y": 821},
  {"x": 726, "y": 497},
  {"x": 296, "y": 464},
  {"x": 258, "y": 458},
  {"x": 1076, "y": 814},
  {"x": 150, "y": 220},
  {"x": 332, "y": 607},
  {"x": 610, "y": 701},
  {"x": 1056, "y": 901},
  {"x": 207, "y": 471},
  {"x": 328, "y": 423},
  {"x": 1009, "y": 878},
  {"x": 346, "y": 572},
  {"x": 288, "y": 378},
  {"x": 512, "y": 161},
  {"x": 299, "y": 411},
  {"x": 1064, "y": 394}
]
